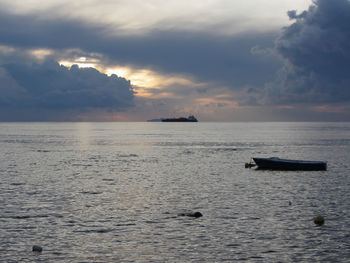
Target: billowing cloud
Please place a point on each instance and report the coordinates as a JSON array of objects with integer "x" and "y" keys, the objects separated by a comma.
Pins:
[
  {"x": 316, "y": 51},
  {"x": 49, "y": 86}
]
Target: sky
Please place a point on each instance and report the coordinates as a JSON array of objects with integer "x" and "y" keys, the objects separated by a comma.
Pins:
[{"x": 133, "y": 60}]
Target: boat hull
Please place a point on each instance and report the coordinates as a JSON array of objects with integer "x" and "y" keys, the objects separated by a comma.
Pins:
[
  {"x": 289, "y": 165},
  {"x": 176, "y": 120},
  {"x": 179, "y": 120}
]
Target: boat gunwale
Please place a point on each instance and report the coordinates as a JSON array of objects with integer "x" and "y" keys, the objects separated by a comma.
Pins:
[{"x": 280, "y": 160}]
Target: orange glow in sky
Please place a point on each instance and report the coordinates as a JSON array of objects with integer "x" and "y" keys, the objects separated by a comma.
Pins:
[
  {"x": 145, "y": 80},
  {"x": 81, "y": 64}
]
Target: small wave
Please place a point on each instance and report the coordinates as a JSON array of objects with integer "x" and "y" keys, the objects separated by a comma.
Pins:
[
  {"x": 127, "y": 155},
  {"x": 251, "y": 218},
  {"x": 94, "y": 157},
  {"x": 91, "y": 192},
  {"x": 17, "y": 141},
  {"x": 152, "y": 221},
  {"x": 256, "y": 257},
  {"x": 233, "y": 245},
  {"x": 269, "y": 251},
  {"x": 80, "y": 164},
  {"x": 126, "y": 224},
  {"x": 100, "y": 231},
  {"x": 19, "y": 183},
  {"x": 226, "y": 149},
  {"x": 33, "y": 193},
  {"x": 21, "y": 217},
  {"x": 28, "y": 216},
  {"x": 57, "y": 215},
  {"x": 229, "y": 217}
]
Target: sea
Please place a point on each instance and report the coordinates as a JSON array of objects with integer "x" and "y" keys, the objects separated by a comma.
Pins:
[{"x": 120, "y": 192}]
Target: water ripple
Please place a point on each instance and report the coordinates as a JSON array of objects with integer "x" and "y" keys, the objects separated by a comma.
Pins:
[{"x": 112, "y": 192}]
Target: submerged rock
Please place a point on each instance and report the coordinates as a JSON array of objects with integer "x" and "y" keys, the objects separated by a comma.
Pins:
[
  {"x": 319, "y": 220},
  {"x": 36, "y": 248},
  {"x": 192, "y": 214}
]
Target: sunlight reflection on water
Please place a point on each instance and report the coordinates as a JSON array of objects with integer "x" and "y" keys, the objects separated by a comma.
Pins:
[{"x": 102, "y": 192}]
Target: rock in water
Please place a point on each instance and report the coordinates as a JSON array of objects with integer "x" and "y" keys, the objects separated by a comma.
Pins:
[
  {"x": 195, "y": 214},
  {"x": 319, "y": 220},
  {"x": 37, "y": 248}
]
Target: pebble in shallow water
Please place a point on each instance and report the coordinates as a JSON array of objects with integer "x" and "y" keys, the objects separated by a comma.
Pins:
[
  {"x": 36, "y": 248},
  {"x": 319, "y": 220}
]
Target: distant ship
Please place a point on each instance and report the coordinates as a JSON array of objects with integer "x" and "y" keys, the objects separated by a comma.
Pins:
[
  {"x": 155, "y": 120},
  {"x": 181, "y": 119}
]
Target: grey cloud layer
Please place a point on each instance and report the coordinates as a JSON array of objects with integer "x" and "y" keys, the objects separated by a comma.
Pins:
[
  {"x": 316, "y": 49},
  {"x": 224, "y": 59},
  {"x": 47, "y": 91},
  {"x": 51, "y": 86}
]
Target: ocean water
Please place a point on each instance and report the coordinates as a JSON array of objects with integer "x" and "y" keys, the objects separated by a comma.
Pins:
[{"x": 113, "y": 192}]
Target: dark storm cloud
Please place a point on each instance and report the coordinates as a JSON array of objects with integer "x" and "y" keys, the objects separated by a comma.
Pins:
[
  {"x": 54, "y": 87},
  {"x": 226, "y": 60},
  {"x": 32, "y": 31},
  {"x": 47, "y": 91},
  {"x": 316, "y": 50}
]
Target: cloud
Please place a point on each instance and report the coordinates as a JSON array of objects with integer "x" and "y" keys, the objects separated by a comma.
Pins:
[
  {"x": 139, "y": 16},
  {"x": 30, "y": 31},
  {"x": 316, "y": 51},
  {"x": 49, "y": 86},
  {"x": 224, "y": 59},
  {"x": 311, "y": 56}
]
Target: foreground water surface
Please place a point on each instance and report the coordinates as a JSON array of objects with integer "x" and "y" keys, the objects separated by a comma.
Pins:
[{"x": 112, "y": 192}]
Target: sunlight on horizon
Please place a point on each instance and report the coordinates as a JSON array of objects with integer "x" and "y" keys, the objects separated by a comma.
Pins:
[
  {"x": 81, "y": 64},
  {"x": 146, "y": 83}
]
